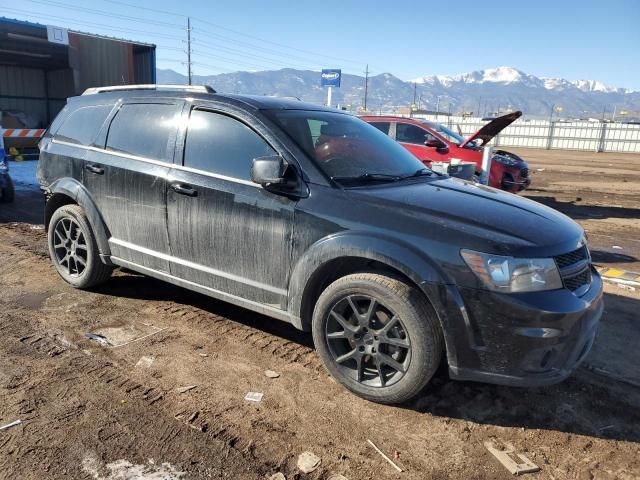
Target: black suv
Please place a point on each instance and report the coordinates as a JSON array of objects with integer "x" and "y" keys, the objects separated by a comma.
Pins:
[{"x": 312, "y": 216}]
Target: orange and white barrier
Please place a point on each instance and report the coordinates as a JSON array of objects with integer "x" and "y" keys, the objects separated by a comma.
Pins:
[{"x": 22, "y": 132}]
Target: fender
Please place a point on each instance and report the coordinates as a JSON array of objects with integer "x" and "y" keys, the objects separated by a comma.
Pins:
[
  {"x": 439, "y": 289},
  {"x": 74, "y": 189},
  {"x": 397, "y": 255}
]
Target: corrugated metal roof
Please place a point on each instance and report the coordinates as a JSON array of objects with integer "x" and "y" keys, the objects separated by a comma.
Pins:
[{"x": 41, "y": 26}]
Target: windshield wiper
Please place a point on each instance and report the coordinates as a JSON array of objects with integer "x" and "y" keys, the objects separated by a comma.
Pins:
[
  {"x": 374, "y": 177},
  {"x": 420, "y": 173}
]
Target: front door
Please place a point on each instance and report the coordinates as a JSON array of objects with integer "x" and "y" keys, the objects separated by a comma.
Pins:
[
  {"x": 413, "y": 138},
  {"x": 128, "y": 181},
  {"x": 227, "y": 233}
]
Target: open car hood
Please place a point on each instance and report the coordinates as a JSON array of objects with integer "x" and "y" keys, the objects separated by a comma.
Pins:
[{"x": 494, "y": 127}]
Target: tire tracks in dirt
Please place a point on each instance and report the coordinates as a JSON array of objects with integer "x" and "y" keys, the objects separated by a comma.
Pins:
[
  {"x": 72, "y": 365},
  {"x": 228, "y": 330}
]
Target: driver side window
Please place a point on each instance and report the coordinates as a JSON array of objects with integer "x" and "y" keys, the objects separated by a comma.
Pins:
[{"x": 408, "y": 133}]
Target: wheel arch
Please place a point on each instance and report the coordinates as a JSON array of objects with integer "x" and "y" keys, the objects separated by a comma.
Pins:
[
  {"x": 66, "y": 191},
  {"x": 344, "y": 254}
]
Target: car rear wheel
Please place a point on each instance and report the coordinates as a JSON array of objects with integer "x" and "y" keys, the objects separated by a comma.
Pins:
[
  {"x": 73, "y": 249},
  {"x": 377, "y": 336}
]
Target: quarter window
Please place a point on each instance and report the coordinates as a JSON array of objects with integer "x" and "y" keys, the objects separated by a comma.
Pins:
[
  {"x": 145, "y": 130},
  {"x": 382, "y": 126},
  {"x": 220, "y": 144},
  {"x": 82, "y": 125},
  {"x": 407, "y": 133}
]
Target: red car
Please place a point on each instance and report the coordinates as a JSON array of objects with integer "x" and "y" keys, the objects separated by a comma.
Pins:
[{"x": 433, "y": 142}]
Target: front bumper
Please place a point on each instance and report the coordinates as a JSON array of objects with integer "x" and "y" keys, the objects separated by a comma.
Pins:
[
  {"x": 530, "y": 339},
  {"x": 511, "y": 185}
]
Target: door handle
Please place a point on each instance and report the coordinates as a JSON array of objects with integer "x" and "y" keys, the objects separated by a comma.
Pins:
[
  {"x": 184, "y": 189},
  {"x": 94, "y": 169}
]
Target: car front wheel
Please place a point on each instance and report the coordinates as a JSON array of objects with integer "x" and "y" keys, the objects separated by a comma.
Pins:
[{"x": 377, "y": 336}]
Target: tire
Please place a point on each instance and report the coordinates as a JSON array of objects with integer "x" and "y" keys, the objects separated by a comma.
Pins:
[
  {"x": 8, "y": 193},
  {"x": 400, "y": 316},
  {"x": 70, "y": 237}
]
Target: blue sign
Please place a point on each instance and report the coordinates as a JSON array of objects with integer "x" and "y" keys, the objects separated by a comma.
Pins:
[{"x": 330, "y": 77}]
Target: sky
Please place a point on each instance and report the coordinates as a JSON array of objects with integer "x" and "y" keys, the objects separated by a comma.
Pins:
[{"x": 572, "y": 39}]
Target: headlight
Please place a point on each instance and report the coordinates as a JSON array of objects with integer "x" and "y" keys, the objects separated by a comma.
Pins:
[
  {"x": 4, "y": 167},
  {"x": 509, "y": 274},
  {"x": 505, "y": 160}
]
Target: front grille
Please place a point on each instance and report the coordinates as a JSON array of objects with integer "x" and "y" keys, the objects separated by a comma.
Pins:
[
  {"x": 581, "y": 279},
  {"x": 524, "y": 173},
  {"x": 575, "y": 268},
  {"x": 568, "y": 259}
]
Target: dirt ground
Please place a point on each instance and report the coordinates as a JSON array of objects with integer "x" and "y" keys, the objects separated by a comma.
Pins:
[{"x": 90, "y": 411}]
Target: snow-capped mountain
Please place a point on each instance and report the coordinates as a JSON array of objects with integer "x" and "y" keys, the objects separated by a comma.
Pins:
[
  {"x": 504, "y": 75},
  {"x": 510, "y": 75},
  {"x": 482, "y": 92}
]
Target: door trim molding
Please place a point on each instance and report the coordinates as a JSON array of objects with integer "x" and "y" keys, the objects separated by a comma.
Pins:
[
  {"x": 262, "y": 308},
  {"x": 197, "y": 266}
]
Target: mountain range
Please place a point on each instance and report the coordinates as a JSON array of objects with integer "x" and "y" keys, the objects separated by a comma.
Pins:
[{"x": 484, "y": 91}]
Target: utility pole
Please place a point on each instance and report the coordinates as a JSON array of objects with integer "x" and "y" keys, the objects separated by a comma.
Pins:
[
  {"x": 366, "y": 86},
  {"x": 189, "y": 49}
]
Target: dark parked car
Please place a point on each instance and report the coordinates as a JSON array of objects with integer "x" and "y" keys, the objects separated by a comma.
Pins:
[
  {"x": 391, "y": 267},
  {"x": 6, "y": 184}
]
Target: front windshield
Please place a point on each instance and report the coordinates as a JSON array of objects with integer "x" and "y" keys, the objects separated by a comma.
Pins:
[
  {"x": 345, "y": 147},
  {"x": 450, "y": 135}
]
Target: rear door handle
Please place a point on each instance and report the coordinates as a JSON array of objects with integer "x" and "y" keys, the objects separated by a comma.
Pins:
[
  {"x": 94, "y": 169},
  {"x": 183, "y": 189}
]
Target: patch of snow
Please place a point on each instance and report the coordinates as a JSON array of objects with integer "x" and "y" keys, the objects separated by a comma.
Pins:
[
  {"x": 125, "y": 470},
  {"x": 555, "y": 83},
  {"x": 594, "y": 86},
  {"x": 502, "y": 75},
  {"x": 23, "y": 175}
]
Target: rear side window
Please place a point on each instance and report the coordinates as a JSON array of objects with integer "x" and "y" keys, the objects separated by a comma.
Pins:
[
  {"x": 145, "y": 130},
  {"x": 382, "y": 126},
  {"x": 220, "y": 144},
  {"x": 82, "y": 125}
]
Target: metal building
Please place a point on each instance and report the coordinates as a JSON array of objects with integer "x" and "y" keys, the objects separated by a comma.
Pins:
[{"x": 40, "y": 66}]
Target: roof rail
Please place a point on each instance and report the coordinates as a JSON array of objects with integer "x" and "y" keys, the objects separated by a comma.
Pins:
[{"x": 180, "y": 88}]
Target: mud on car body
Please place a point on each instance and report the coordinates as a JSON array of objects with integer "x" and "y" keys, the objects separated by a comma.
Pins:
[{"x": 312, "y": 216}]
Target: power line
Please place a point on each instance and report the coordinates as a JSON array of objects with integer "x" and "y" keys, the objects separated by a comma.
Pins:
[
  {"x": 92, "y": 24},
  {"x": 241, "y": 44},
  {"x": 250, "y": 56},
  {"x": 105, "y": 13},
  {"x": 148, "y": 9},
  {"x": 353, "y": 62}
]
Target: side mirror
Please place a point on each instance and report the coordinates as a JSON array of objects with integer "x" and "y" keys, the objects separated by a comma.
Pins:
[
  {"x": 434, "y": 143},
  {"x": 273, "y": 173},
  {"x": 268, "y": 170}
]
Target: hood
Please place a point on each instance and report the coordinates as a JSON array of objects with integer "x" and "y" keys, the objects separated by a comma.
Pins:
[
  {"x": 494, "y": 127},
  {"x": 478, "y": 217}
]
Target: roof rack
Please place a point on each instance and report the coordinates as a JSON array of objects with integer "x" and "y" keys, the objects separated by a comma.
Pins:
[{"x": 180, "y": 88}]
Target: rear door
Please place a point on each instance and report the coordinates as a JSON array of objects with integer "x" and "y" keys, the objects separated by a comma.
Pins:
[
  {"x": 227, "y": 233},
  {"x": 128, "y": 180},
  {"x": 384, "y": 127}
]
